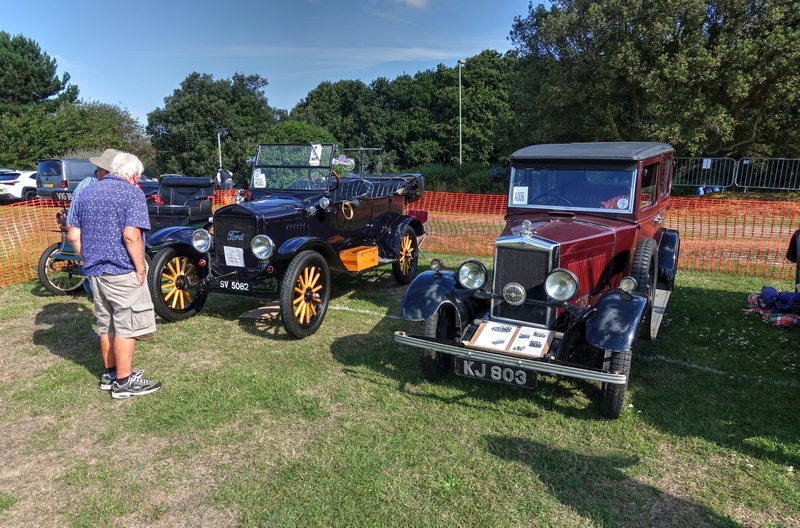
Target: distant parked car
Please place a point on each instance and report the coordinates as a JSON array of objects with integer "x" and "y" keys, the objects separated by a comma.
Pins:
[
  {"x": 148, "y": 186},
  {"x": 57, "y": 178},
  {"x": 16, "y": 186}
]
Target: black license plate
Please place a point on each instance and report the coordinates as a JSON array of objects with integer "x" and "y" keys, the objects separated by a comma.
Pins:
[
  {"x": 62, "y": 196},
  {"x": 235, "y": 285},
  {"x": 498, "y": 373}
]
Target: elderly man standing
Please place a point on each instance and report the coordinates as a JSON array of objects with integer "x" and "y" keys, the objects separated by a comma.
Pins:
[
  {"x": 103, "y": 164},
  {"x": 107, "y": 223}
]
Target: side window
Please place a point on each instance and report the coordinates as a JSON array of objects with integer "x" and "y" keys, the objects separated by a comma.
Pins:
[
  {"x": 648, "y": 194},
  {"x": 666, "y": 178},
  {"x": 79, "y": 169}
]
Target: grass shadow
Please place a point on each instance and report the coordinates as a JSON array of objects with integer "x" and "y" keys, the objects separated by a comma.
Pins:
[
  {"x": 702, "y": 379},
  {"x": 377, "y": 351},
  {"x": 70, "y": 334},
  {"x": 370, "y": 287},
  {"x": 597, "y": 488}
]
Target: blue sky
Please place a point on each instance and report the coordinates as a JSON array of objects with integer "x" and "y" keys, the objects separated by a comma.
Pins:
[{"x": 134, "y": 54}]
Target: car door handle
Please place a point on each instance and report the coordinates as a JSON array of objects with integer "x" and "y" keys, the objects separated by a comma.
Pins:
[{"x": 658, "y": 219}]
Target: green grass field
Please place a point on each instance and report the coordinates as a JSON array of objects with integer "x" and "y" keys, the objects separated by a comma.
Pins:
[{"x": 253, "y": 428}]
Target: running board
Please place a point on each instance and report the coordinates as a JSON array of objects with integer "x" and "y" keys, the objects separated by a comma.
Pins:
[{"x": 659, "y": 306}]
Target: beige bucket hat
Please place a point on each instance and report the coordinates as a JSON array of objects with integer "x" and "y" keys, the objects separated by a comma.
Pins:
[{"x": 105, "y": 159}]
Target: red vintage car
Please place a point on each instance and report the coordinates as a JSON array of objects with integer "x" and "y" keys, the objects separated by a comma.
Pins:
[{"x": 582, "y": 269}]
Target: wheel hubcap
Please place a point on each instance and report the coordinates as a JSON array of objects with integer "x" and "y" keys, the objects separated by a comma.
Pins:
[
  {"x": 406, "y": 255},
  {"x": 307, "y": 299},
  {"x": 176, "y": 277}
]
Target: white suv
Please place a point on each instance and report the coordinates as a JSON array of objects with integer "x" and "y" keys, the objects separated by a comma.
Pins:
[{"x": 16, "y": 186}]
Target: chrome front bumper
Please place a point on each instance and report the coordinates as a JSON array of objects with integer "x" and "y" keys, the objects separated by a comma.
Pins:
[{"x": 509, "y": 361}]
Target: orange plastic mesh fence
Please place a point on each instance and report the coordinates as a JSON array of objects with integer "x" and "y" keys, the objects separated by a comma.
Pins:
[
  {"x": 744, "y": 237},
  {"x": 741, "y": 237},
  {"x": 26, "y": 230}
]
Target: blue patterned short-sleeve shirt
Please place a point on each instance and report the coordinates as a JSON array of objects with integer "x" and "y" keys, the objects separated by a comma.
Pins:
[{"x": 102, "y": 211}]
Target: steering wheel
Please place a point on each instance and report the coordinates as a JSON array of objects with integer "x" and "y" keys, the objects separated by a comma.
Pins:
[
  {"x": 558, "y": 198},
  {"x": 338, "y": 180}
]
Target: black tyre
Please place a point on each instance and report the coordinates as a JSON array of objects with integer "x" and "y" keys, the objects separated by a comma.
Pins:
[
  {"x": 29, "y": 194},
  {"x": 59, "y": 277},
  {"x": 435, "y": 365},
  {"x": 645, "y": 270},
  {"x": 172, "y": 272},
  {"x": 405, "y": 269},
  {"x": 613, "y": 395},
  {"x": 305, "y": 292}
]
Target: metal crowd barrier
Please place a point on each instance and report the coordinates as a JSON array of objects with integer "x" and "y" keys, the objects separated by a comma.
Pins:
[{"x": 780, "y": 174}]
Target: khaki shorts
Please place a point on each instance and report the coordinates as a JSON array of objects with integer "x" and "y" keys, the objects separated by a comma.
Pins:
[{"x": 122, "y": 305}]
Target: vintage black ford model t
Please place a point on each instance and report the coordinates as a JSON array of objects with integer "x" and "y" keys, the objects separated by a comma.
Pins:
[
  {"x": 583, "y": 268},
  {"x": 306, "y": 216}
]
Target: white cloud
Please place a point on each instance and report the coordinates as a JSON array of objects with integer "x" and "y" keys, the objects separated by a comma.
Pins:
[
  {"x": 366, "y": 56},
  {"x": 413, "y": 3},
  {"x": 387, "y": 16}
]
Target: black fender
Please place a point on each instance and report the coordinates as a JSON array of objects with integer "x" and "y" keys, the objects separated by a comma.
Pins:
[
  {"x": 393, "y": 237},
  {"x": 427, "y": 292},
  {"x": 613, "y": 323},
  {"x": 181, "y": 234},
  {"x": 293, "y": 246},
  {"x": 668, "y": 253}
]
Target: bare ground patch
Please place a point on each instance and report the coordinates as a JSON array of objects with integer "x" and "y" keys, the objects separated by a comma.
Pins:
[{"x": 59, "y": 470}]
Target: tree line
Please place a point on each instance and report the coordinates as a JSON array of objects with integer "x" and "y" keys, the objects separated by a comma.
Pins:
[{"x": 712, "y": 78}]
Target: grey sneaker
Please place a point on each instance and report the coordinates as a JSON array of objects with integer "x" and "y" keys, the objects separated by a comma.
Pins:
[
  {"x": 136, "y": 386},
  {"x": 105, "y": 379}
]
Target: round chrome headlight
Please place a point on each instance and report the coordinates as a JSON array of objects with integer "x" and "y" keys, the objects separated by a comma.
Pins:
[
  {"x": 561, "y": 285},
  {"x": 324, "y": 203},
  {"x": 472, "y": 275},
  {"x": 627, "y": 284},
  {"x": 262, "y": 247},
  {"x": 437, "y": 264},
  {"x": 201, "y": 240}
]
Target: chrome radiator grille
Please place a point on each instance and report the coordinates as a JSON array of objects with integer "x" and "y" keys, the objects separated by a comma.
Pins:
[
  {"x": 234, "y": 232},
  {"x": 528, "y": 267}
]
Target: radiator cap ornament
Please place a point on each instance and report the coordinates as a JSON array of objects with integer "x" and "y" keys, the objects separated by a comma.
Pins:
[{"x": 526, "y": 229}]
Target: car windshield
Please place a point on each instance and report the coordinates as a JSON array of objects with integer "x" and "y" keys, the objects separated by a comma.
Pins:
[
  {"x": 572, "y": 188},
  {"x": 297, "y": 167}
]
